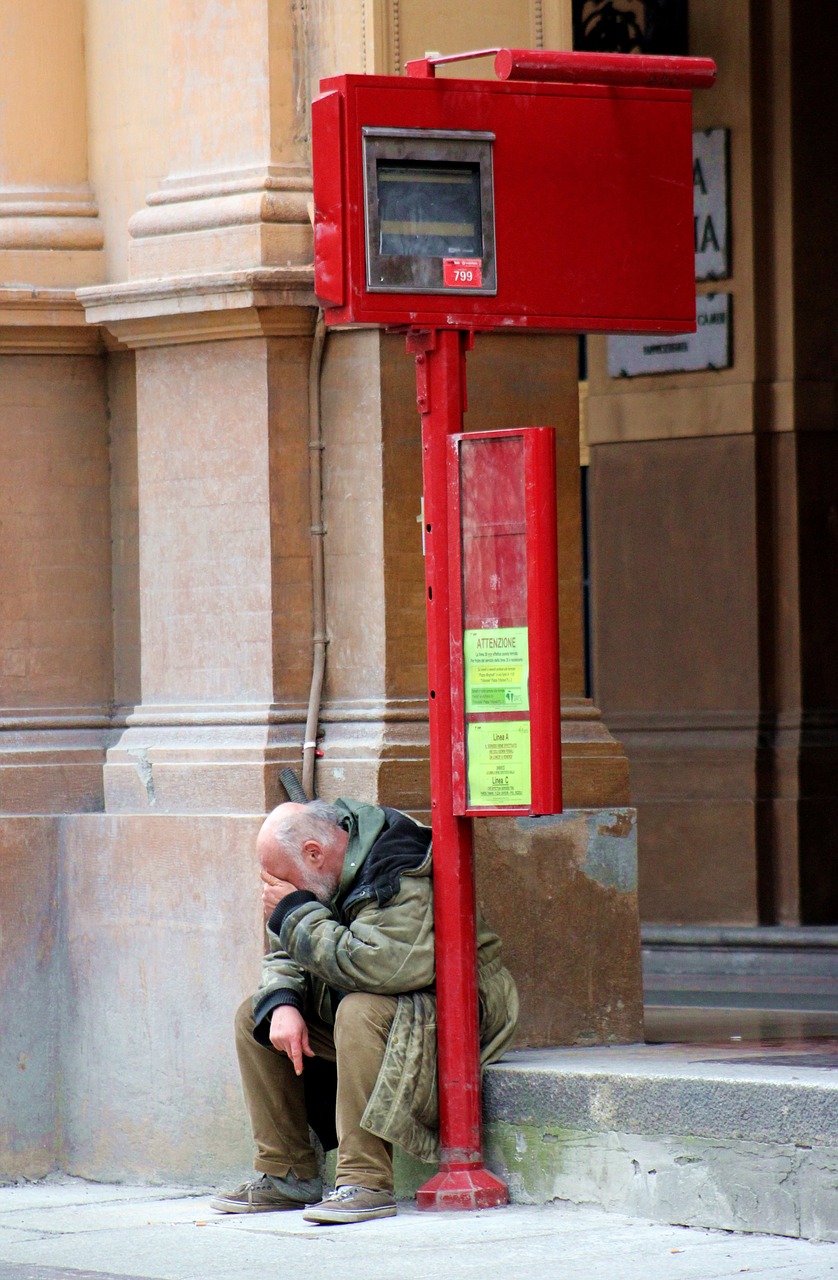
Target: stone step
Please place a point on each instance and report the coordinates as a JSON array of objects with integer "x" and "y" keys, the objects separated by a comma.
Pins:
[
  {"x": 738, "y": 1137},
  {"x": 778, "y": 968}
]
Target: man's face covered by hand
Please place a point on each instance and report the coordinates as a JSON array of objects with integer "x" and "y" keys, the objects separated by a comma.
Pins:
[
  {"x": 304, "y": 859},
  {"x": 284, "y": 871}
]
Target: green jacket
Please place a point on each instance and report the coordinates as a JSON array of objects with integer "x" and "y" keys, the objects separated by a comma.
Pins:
[{"x": 377, "y": 936}]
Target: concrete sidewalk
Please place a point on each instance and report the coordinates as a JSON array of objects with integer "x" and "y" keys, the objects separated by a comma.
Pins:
[{"x": 66, "y": 1229}]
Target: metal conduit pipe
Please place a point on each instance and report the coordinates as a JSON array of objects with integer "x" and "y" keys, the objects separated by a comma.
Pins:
[{"x": 319, "y": 639}]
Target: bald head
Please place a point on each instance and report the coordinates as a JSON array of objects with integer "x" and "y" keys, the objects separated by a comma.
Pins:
[{"x": 303, "y": 844}]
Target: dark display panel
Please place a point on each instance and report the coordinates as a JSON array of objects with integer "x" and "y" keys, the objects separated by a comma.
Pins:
[{"x": 429, "y": 210}]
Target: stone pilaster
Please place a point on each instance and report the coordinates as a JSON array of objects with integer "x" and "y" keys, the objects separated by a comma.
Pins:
[
  {"x": 219, "y": 313},
  {"x": 224, "y": 542}
]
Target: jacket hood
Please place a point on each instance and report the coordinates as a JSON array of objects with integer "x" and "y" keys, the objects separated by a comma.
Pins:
[{"x": 384, "y": 844}]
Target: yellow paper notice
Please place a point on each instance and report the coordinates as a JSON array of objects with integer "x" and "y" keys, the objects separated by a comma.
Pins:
[
  {"x": 497, "y": 669},
  {"x": 498, "y": 763}
]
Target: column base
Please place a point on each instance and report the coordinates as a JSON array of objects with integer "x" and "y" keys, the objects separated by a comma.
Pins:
[
  {"x": 474, "y": 1188},
  {"x": 223, "y": 222},
  {"x": 51, "y": 238},
  {"x": 594, "y": 764},
  {"x": 204, "y": 760},
  {"x": 376, "y": 749},
  {"x": 227, "y": 758},
  {"x": 51, "y": 761}
]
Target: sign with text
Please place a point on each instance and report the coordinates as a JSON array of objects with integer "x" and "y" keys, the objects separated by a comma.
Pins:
[
  {"x": 462, "y": 273},
  {"x": 496, "y": 669},
  {"x": 631, "y": 356},
  {"x": 710, "y": 204},
  {"x": 499, "y": 763}
]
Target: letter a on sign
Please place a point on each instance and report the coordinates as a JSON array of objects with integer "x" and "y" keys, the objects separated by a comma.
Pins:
[{"x": 710, "y": 203}]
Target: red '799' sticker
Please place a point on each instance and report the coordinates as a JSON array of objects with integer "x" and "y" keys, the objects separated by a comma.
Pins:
[{"x": 462, "y": 273}]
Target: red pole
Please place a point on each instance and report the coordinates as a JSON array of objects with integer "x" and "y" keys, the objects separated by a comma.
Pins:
[{"x": 462, "y": 1182}]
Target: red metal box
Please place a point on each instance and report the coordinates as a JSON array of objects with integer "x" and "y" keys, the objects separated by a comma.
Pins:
[{"x": 566, "y": 206}]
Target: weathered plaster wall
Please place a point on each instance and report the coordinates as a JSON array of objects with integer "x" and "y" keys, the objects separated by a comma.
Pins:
[
  {"x": 562, "y": 893},
  {"x": 30, "y": 997},
  {"x": 162, "y": 926}
]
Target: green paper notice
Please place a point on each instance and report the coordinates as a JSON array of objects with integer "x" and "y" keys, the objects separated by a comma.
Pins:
[
  {"x": 498, "y": 763},
  {"x": 497, "y": 669}
]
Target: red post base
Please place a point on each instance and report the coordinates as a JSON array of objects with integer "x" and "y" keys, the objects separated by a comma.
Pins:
[{"x": 473, "y": 1188}]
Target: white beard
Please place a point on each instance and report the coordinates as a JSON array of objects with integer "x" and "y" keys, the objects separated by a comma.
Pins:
[{"x": 322, "y": 886}]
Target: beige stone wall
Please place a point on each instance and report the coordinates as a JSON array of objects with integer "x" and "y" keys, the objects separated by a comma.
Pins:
[
  {"x": 55, "y": 626},
  {"x": 54, "y": 634},
  {"x": 30, "y": 1135},
  {"x": 379, "y": 36}
]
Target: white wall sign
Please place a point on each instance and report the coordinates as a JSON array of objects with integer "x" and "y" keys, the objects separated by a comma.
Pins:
[
  {"x": 710, "y": 204},
  {"x": 630, "y": 355}
]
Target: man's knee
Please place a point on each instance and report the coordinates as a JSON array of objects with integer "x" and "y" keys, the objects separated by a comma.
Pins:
[{"x": 364, "y": 1014}]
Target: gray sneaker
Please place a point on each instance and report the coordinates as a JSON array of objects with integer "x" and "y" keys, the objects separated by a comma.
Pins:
[
  {"x": 352, "y": 1204},
  {"x": 267, "y": 1194}
]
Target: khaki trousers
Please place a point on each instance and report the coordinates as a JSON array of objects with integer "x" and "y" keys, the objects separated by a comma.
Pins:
[{"x": 276, "y": 1104}]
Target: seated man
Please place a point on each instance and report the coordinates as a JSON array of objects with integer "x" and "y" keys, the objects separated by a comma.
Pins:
[{"x": 348, "y": 980}]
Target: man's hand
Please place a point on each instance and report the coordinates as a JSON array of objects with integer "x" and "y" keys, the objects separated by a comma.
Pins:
[
  {"x": 289, "y": 1034},
  {"x": 273, "y": 891}
]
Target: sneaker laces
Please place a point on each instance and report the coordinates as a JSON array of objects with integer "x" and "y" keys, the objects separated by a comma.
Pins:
[
  {"x": 344, "y": 1193},
  {"x": 253, "y": 1184}
]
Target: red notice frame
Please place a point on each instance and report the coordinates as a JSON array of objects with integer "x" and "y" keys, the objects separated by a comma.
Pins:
[{"x": 542, "y": 622}]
